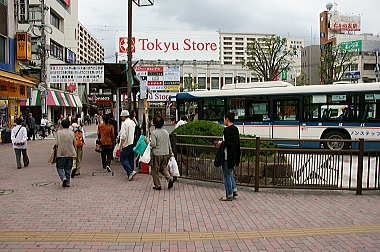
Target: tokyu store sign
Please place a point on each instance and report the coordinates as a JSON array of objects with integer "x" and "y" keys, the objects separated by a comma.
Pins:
[{"x": 171, "y": 46}]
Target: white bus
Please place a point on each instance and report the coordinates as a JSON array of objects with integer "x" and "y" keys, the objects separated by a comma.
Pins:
[{"x": 343, "y": 111}]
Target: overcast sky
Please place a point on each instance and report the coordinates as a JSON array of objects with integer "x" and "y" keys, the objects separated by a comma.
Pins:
[{"x": 294, "y": 18}]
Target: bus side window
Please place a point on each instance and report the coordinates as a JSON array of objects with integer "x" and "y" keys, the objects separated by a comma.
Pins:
[
  {"x": 258, "y": 112},
  {"x": 287, "y": 110}
]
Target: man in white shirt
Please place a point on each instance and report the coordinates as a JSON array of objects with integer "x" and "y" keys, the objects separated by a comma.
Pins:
[
  {"x": 127, "y": 135},
  {"x": 19, "y": 136}
]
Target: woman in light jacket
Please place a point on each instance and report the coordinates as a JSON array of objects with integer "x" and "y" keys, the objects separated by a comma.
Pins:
[
  {"x": 19, "y": 138},
  {"x": 66, "y": 153}
]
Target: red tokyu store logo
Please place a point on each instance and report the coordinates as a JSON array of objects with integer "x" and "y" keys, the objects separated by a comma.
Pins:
[{"x": 123, "y": 45}]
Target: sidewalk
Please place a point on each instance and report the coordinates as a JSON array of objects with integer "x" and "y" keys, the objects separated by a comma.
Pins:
[{"x": 108, "y": 213}]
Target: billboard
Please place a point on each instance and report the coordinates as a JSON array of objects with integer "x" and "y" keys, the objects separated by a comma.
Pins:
[
  {"x": 171, "y": 46},
  {"x": 159, "y": 78},
  {"x": 23, "y": 46},
  {"x": 351, "y": 45},
  {"x": 76, "y": 74},
  {"x": 344, "y": 23}
]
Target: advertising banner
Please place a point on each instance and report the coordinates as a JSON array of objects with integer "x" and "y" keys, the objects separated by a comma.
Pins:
[
  {"x": 344, "y": 23},
  {"x": 171, "y": 46},
  {"x": 351, "y": 45},
  {"x": 24, "y": 46},
  {"x": 76, "y": 74},
  {"x": 159, "y": 78}
]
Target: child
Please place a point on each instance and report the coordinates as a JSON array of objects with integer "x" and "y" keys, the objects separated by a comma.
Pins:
[{"x": 79, "y": 142}]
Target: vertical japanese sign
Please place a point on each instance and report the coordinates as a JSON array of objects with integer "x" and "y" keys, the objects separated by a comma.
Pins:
[{"x": 24, "y": 46}]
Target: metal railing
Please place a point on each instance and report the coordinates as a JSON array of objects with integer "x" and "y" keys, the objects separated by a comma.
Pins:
[{"x": 351, "y": 169}]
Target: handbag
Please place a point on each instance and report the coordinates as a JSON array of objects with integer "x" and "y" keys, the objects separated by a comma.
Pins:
[
  {"x": 141, "y": 145},
  {"x": 145, "y": 158},
  {"x": 53, "y": 155},
  {"x": 173, "y": 167},
  {"x": 98, "y": 146}
]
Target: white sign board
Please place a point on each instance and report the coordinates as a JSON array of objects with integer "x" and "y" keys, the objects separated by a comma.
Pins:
[
  {"x": 76, "y": 73},
  {"x": 344, "y": 23},
  {"x": 171, "y": 46},
  {"x": 159, "y": 78},
  {"x": 160, "y": 96}
]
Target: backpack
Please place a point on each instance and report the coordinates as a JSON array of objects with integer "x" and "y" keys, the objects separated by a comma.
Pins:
[
  {"x": 137, "y": 134},
  {"x": 79, "y": 141}
]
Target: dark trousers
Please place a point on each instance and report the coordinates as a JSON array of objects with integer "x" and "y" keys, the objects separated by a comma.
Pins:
[
  {"x": 127, "y": 159},
  {"x": 25, "y": 157},
  {"x": 64, "y": 165},
  {"x": 107, "y": 152},
  {"x": 32, "y": 133}
]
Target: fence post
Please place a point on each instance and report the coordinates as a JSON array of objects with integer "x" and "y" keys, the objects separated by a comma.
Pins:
[
  {"x": 174, "y": 143},
  {"x": 257, "y": 165},
  {"x": 359, "y": 177}
]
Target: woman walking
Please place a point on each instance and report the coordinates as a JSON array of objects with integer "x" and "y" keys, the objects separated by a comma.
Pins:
[
  {"x": 65, "y": 142},
  {"x": 106, "y": 136},
  {"x": 162, "y": 151},
  {"x": 19, "y": 138}
]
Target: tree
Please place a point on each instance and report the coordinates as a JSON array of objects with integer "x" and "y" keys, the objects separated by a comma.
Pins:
[
  {"x": 302, "y": 79},
  {"x": 268, "y": 57},
  {"x": 335, "y": 61}
]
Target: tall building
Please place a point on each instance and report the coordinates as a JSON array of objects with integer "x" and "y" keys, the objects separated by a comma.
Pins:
[
  {"x": 295, "y": 44},
  {"x": 310, "y": 64},
  {"x": 89, "y": 49},
  {"x": 61, "y": 19},
  {"x": 14, "y": 88}
]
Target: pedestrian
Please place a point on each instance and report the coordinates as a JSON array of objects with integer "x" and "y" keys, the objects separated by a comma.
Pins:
[
  {"x": 106, "y": 136},
  {"x": 113, "y": 122},
  {"x": 31, "y": 123},
  {"x": 162, "y": 151},
  {"x": 127, "y": 133},
  {"x": 79, "y": 143},
  {"x": 65, "y": 141},
  {"x": 19, "y": 138},
  {"x": 44, "y": 125},
  {"x": 231, "y": 151},
  {"x": 181, "y": 122},
  {"x": 60, "y": 119}
]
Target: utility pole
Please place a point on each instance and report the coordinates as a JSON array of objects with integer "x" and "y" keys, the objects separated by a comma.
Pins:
[
  {"x": 43, "y": 74},
  {"x": 129, "y": 79},
  {"x": 377, "y": 69}
]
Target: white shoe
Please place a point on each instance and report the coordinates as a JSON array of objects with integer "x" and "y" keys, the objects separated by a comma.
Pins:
[
  {"x": 132, "y": 175},
  {"x": 108, "y": 168}
]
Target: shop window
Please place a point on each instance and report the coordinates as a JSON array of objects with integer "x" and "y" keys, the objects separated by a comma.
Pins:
[
  {"x": 55, "y": 20},
  {"x": 215, "y": 82},
  {"x": 202, "y": 81}
]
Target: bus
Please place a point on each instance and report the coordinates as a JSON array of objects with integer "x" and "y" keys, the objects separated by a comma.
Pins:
[{"x": 341, "y": 111}]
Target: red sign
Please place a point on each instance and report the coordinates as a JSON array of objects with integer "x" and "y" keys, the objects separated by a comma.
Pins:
[
  {"x": 345, "y": 27},
  {"x": 72, "y": 87},
  {"x": 67, "y": 2},
  {"x": 123, "y": 45},
  {"x": 150, "y": 69},
  {"x": 155, "y": 83}
]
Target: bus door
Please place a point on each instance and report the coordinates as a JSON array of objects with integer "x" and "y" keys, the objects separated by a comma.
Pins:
[
  {"x": 257, "y": 121},
  {"x": 286, "y": 122}
]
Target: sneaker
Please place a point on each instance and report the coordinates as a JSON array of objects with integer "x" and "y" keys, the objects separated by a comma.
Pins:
[
  {"x": 64, "y": 183},
  {"x": 170, "y": 183},
  {"x": 73, "y": 172},
  {"x": 130, "y": 177},
  {"x": 235, "y": 194},
  {"x": 108, "y": 168}
]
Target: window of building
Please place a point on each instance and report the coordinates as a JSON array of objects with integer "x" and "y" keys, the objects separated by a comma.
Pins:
[
  {"x": 215, "y": 81},
  {"x": 369, "y": 66},
  {"x": 239, "y": 43},
  {"x": 228, "y": 78},
  {"x": 227, "y": 58},
  {"x": 354, "y": 67},
  {"x": 202, "y": 81},
  {"x": 227, "y": 38},
  {"x": 251, "y": 39},
  {"x": 227, "y": 63},
  {"x": 227, "y": 53},
  {"x": 56, "y": 50},
  {"x": 240, "y": 48},
  {"x": 239, "y": 38},
  {"x": 227, "y": 48},
  {"x": 227, "y": 43},
  {"x": 55, "y": 20},
  {"x": 4, "y": 2},
  {"x": 3, "y": 46},
  {"x": 239, "y": 53}
]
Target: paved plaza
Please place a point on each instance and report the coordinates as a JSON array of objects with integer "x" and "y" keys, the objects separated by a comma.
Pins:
[{"x": 108, "y": 213}]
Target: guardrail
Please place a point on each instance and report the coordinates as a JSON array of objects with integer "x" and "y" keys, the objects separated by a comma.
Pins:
[{"x": 350, "y": 169}]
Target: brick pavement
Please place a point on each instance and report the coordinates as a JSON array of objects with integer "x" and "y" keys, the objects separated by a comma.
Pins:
[{"x": 112, "y": 207}]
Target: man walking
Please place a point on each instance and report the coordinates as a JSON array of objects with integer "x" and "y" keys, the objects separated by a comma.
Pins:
[
  {"x": 31, "y": 123},
  {"x": 19, "y": 137},
  {"x": 127, "y": 135},
  {"x": 231, "y": 145}
]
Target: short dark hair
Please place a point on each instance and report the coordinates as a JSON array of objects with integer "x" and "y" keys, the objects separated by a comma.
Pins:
[
  {"x": 230, "y": 116},
  {"x": 159, "y": 122},
  {"x": 65, "y": 124},
  {"x": 18, "y": 121},
  {"x": 106, "y": 119}
]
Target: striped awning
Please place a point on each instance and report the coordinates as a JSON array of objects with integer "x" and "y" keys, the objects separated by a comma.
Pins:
[
  {"x": 34, "y": 100},
  {"x": 54, "y": 98}
]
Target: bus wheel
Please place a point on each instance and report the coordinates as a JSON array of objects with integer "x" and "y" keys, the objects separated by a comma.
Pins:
[{"x": 335, "y": 134}]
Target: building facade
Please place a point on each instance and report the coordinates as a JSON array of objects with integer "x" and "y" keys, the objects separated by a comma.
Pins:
[
  {"x": 89, "y": 49},
  {"x": 61, "y": 19},
  {"x": 310, "y": 64}
]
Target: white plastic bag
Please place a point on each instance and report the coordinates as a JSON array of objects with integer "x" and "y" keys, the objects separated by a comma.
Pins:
[
  {"x": 116, "y": 152},
  {"x": 145, "y": 158},
  {"x": 173, "y": 167}
]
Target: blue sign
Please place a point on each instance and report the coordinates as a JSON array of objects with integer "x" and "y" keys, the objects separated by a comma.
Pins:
[
  {"x": 70, "y": 56},
  {"x": 353, "y": 75}
]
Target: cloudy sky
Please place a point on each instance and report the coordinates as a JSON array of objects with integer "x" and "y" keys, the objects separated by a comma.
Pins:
[{"x": 292, "y": 18}]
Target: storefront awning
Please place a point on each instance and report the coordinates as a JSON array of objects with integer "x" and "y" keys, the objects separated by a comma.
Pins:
[
  {"x": 34, "y": 100},
  {"x": 54, "y": 98},
  {"x": 15, "y": 78}
]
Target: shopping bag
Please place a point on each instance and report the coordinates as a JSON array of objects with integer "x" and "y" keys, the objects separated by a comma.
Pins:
[
  {"x": 98, "y": 146},
  {"x": 53, "y": 155},
  {"x": 140, "y": 146},
  {"x": 145, "y": 158},
  {"x": 173, "y": 167},
  {"x": 116, "y": 151}
]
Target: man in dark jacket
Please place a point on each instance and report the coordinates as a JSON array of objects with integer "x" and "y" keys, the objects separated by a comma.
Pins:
[
  {"x": 31, "y": 123},
  {"x": 231, "y": 145}
]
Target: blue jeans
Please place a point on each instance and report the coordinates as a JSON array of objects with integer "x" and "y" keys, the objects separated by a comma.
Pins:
[
  {"x": 64, "y": 166},
  {"x": 229, "y": 180},
  {"x": 127, "y": 159}
]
